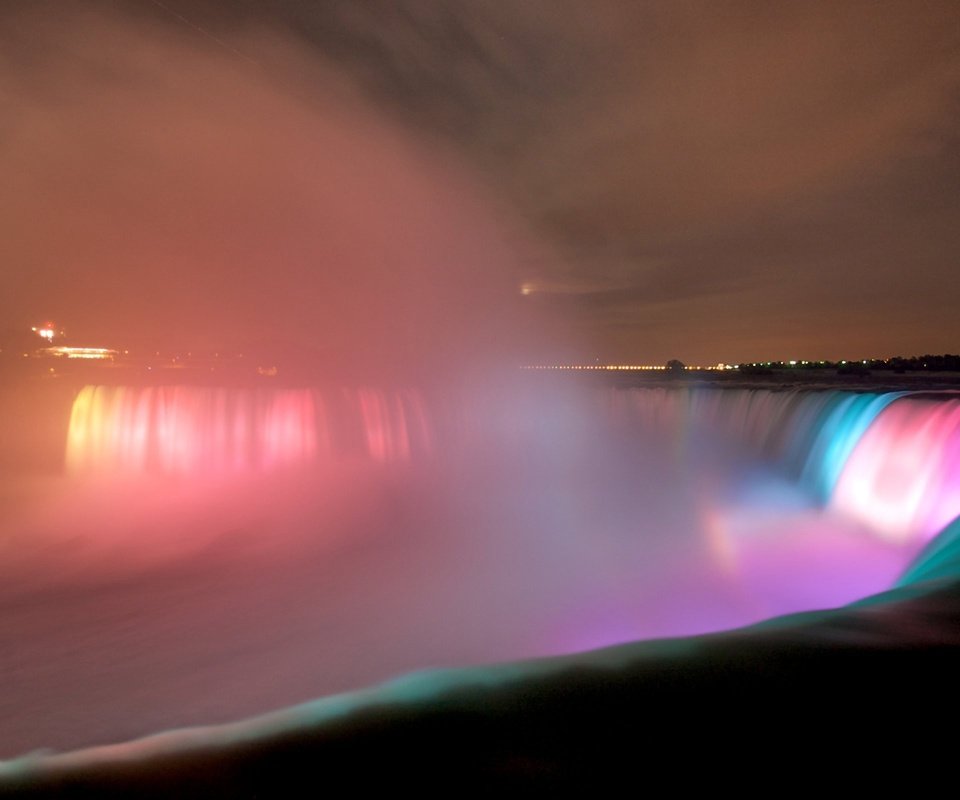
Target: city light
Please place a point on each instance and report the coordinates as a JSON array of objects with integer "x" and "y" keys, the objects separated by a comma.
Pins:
[
  {"x": 622, "y": 367},
  {"x": 46, "y": 331},
  {"x": 101, "y": 353}
]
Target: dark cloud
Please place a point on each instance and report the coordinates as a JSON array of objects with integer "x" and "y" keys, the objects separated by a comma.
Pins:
[
  {"x": 712, "y": 181},
  {"x": 163, "y": 188}
]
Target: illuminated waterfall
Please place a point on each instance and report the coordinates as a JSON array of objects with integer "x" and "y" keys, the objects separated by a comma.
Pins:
[
  {"x": 890, "y": 460},
  {"x": 194, "y": 430},
  {"x": 903, "y": 478}
]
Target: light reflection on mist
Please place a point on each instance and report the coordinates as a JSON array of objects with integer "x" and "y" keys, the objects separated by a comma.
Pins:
[
  {"x": 539, "y": 523},
  {"x": 903, "y": 480},
  {"x": 162, "y": 194},
  {"x": 202, "y": 198}
]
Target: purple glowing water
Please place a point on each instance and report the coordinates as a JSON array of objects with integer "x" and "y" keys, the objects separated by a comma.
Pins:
[
  {"x": 215, "y": 553},
  {"x": 787, "y": 450}
]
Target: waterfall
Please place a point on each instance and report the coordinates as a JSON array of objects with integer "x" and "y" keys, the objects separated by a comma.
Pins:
[
  {"x": 903, "y": 477},
  {"x": 193, "y": 430},
  {"x": 891, "y": 460}
]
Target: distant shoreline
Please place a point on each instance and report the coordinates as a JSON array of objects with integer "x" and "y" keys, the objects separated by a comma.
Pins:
[{"x": 807, "y": 378}]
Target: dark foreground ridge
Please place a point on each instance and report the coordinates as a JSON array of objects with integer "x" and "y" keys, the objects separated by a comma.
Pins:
[{"x": 804, "y": 693}]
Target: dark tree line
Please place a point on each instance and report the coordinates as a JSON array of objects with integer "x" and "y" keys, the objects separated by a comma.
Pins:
[
  {"x": 928, "y": 363},
  {"x": 898, "y": 364}
]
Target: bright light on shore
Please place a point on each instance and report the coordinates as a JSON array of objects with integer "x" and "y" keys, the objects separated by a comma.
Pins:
[
  {"x": 81, "y": 352},
  {"x": 47, "y": 331}
]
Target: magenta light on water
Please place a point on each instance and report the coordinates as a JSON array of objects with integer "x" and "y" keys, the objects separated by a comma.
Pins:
[
  {"x": 886, "y": 460},
  {"x": 197, "y": 430},
  {"x": 348, "y": 535}
]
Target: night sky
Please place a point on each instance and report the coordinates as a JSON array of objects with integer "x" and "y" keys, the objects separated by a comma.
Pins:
[{"x": 543, "y": 180}]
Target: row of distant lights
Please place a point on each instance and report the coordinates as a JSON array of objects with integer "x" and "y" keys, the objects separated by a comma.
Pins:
[
  {"x": 806, "y": 363},
  {"x": 627, "y": 367},
  {"x": 663, "y": 368}
]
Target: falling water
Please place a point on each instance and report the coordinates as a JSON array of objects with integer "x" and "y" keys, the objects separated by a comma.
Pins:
[
  {"x": 903, "y": 476},
  {"x": 196, "y": 430},
  {"x": 355, "y": 534},
  {"x": 889, "y": 460}
]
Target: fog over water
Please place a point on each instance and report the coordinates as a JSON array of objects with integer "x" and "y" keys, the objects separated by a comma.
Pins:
[
  {"x": 163, "y": 194},
  {"x": 391, "y": 492},
  {"x": 532, "y": 521},
  {"x": 716, "y": 183}
]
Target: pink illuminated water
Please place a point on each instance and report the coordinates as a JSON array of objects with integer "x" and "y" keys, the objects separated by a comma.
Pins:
[
  {"x": 214, "y": 552},
  {"x": 884, "y": 465},
  {"x": 819, "y": 469},
  {"x": 199, "y": 430},
  {"x": 889, "y": 461},
  {"x": 903, "y": 478}
]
